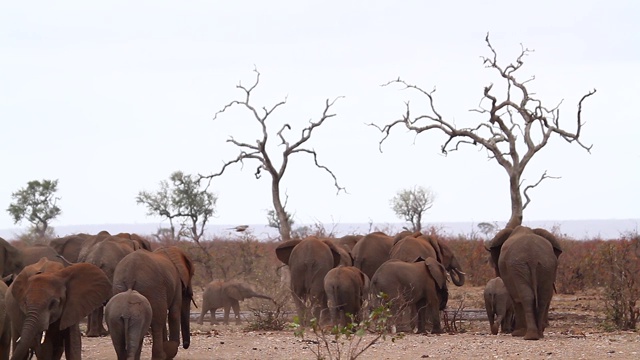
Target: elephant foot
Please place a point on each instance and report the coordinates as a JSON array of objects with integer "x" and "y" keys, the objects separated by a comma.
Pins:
[
  {"x": 170, "y": 349},
  {"x": 532, "y": 335},
  {"x": 494, "y": 329},
  {"x": 519, "y": 332}
]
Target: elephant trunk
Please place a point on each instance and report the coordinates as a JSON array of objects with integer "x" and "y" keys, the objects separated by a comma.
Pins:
[
  {"x": 185, "y": 320},
  {"x": 31, "y": 331},
  {"x": 457, "y": 276}
]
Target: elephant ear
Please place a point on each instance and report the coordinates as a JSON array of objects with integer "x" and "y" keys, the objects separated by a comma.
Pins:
[
  {"x": 232, "y": 291},
  {"x": 436, "y": 246},
  {"x": 495, "y": 245},
  {"x": 338, "y": 254},
  {"x": 437, "y": 271},
  {"x": 182, "y": 263},
  {"x": 557, "y": 249},
  {"x": 366, "y": 282},
  {"x": 283, "y": 251},
  {"x": 87, "y": 288}
]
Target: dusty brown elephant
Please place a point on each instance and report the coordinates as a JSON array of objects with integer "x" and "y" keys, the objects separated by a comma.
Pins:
[
  {"x": 373, "y": 250},
  {"x": 347, "y": 288},
  {"x": 33, "y": 254},
  {"x": 5, "y": 325},
  {"x": 226, "y": 295},
  {"x": 499, "y": 307},
  {"x": 106, "y": 254},
  {"x": 164, "y": 278},
  {"x": 47, "y": 297},
  {"x": 309, "y": 260},
  {"x": 69, "y": 246},
  {"x": 426, "y": 246},
  {"x": 421, "y": 286},
  {"x": 527, "y": 260},
  {"x": 128, "y": 315},
  {"x": 348, "y": 241}
]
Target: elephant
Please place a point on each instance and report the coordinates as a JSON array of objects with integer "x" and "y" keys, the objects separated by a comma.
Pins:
[
  {"x": 32, "y": 254},
  {"x": 10, "y": 259},
  {"x": 373, "y": 250},
  {"x": 5, "y": 325},
  {"x": 425, "y": 246},
  {"x": 69, "y": 246},
  {"x": 499, "y": 306},
  {"x": 309, "y": 260},
  {"x": 227, "y": 295},
  {"x": 420, "y": 286},
  {"x": 48, "y": 298},
  {"x": 348, "y": 241},
  {"x": 128, "y": 315},
  {"x": 347, "y": 288},
  {"x": 527, "y": 261},
  {"x": 106, "y": 254},
  {"x": 164, "y": 278}
]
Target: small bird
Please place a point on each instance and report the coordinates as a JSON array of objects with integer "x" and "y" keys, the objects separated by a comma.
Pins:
[{"x": 239, "y": 228}]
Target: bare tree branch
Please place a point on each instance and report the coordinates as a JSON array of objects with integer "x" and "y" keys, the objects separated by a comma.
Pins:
[
  {"x": 259, "y": 152},
  {"x": 528, "y": 187},
  {"x": 515, "y": 126}
]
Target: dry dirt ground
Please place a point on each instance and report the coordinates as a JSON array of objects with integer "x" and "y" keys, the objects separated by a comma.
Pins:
[{"x": 576, "y": 332}]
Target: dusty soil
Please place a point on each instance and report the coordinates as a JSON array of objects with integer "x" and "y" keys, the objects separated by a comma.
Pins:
[{"x": 576, "y": 331}]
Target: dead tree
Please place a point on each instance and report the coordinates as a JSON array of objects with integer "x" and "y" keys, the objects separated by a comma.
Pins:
[
  {"x": 507, "y": 132},
  {"x": 258, "y": 150}
]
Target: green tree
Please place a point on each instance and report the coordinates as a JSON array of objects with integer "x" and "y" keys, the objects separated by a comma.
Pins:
[
  {"x": 274, "y": 221},
  {"x": 411, "y": 204},
  {"x": 36, "y": 204},
  {"x": 511, "y": 130},
  {"x": 184, "y": 202}
]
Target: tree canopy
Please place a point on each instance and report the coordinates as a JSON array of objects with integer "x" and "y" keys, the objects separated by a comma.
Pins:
[
  {"x": 411, "y": 204},
  {"x": 37, "y": 204}
]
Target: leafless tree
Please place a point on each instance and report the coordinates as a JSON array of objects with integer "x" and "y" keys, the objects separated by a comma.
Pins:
[
  {"x": 411, "y": 204},
  {"x": 258, "y": 150},
  {"x": 513, "y": 131}
]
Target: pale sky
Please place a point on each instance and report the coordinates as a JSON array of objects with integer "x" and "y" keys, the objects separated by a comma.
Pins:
[{"x": 112, "y": 97}]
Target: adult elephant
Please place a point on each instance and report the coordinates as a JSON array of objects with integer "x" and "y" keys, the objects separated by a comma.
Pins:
[
  {"x": 10, "y": 259},
  {"x": 346, "y": 287},
  {"x": 309, "y": 260},
  {"x": 164, "y": 278},
  {"x": 128, "y": 315},
  {"x": 106, "y": 254},
  {"x": 420, "y": 286},
  {"x": 373, "y": 250},
  {"x": 226, "y": 295},
  {"x": 69, "y": 246},
  {"x": 425, "y": 246},
  {"x": 32, "y": 254},
  {"x": 5, "y": 325},
  {"x": 49, "y": 298},
  {"x": 527, "y": 260},
  {"x": 348, "y": 241}
]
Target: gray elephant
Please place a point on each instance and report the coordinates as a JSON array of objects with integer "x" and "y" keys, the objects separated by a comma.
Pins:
[
  {"x": 421, "y": 286},
  {"x": 309, "y": 260},
  {"x": 527, "y": 261},
  {"x": 10, "y": 259},
  {"x": 226, "y": 295},
  {"x": 5, "y": 325},
  {"x": 33, "y": 254},
  {"x": 69, "y": 246},
  {"x": 164, "y": 278},
  {"x": 347, "y": 288},
  {"x": 426, "y": 246},
  {"x": 49, "y": 298},
  {"x": 499, "y": 307},
  {"x": 373, "y": 250},
  {"x": 128, "y": 315}
]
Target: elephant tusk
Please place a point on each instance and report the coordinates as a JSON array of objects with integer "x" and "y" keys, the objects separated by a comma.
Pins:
[
  {"x": 17, "y": 341},
  {"x": 461, "y": 272},
  {"x": 194, "y": 303},
  {"x": 44, "y": 335}
]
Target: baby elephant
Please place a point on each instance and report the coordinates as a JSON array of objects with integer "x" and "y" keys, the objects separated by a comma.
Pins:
[
  {"x": 128, "y": 316},
  {"x": 346, "y": 288},
  {"x": 227, "y": 295},
  {"x": 499, "y": 306}
]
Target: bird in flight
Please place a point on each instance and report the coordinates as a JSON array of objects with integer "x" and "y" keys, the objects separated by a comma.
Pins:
[{"x": 239, "y": 228}]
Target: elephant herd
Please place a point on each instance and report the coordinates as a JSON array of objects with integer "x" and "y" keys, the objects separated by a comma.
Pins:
[
  {"x": 334, "y": 277},
  {"x": 52, "y": 288}
]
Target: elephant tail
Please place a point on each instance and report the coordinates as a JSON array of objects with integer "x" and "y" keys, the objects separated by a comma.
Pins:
[
  {"x": 125, "y": 323},
  {"x": 534, "y": 284}
]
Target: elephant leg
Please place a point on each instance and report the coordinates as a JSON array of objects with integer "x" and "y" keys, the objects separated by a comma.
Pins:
[
  {"x": 158, "y": 330},
  {"x": 72, "y": 342},
  {"x": 227, "y": 308},
  {"x": 421, "y": 312},
  {"x": 174, "y": 328},
  {"x": 236, "y": 311},
  {"x": 495, "y": 325},
  {"x": 93, "y": 329},
  {"x": 213, "y": 316},
  {"x": 203, "y": 312},
  {"x": 521, "y": 325},
  {"x": 302, "y": 309}
]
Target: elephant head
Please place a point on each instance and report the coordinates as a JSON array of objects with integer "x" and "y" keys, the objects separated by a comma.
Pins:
[
  {"x": 495, "y": 245},
  {"x": 53, "y": 299},
  {"x": 451, "y": 264}
]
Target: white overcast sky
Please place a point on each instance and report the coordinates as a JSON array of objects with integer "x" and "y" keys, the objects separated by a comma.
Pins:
[{"x": 111, "y": 97}]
